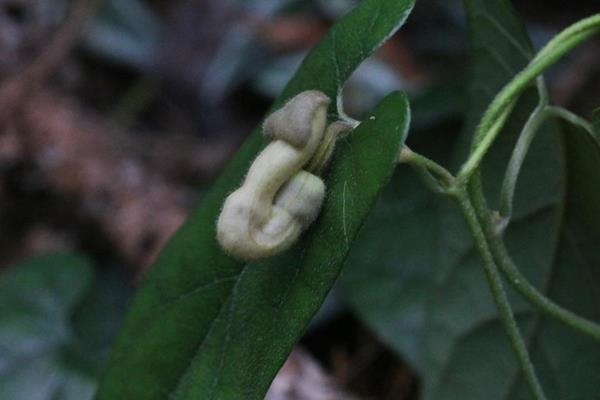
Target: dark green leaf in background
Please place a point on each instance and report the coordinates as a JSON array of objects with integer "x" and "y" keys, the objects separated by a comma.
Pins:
[
  {"x": 206, "y": 326},
  {"x": 387, "y": 278},
  {"x": 439, "y": 104},
  {"x": 596, "y": 122},
  {"x": 57, "y": 321},
  {"x": 468, "y": 355}
]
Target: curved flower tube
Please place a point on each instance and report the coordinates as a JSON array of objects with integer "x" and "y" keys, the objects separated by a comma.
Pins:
[{"x": 278, "y": 198}]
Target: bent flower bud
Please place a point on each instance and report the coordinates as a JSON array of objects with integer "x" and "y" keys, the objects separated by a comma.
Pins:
[{"x": 279, "y": 197}]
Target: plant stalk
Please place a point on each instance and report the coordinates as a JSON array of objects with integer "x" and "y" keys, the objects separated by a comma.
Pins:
[
  {"x": 497, "y": 288},
  {"x": 514, "y": 275},
  {"x": 497, "y": 113}
]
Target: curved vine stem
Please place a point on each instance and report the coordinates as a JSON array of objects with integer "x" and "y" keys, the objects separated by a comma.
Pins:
[
  {"x": 493, "y": 234},
  {"x": 523, "y": 286},
  {"x": 436, "y": 177},
  {"x": 536, "y": 119},
  {"x": 497, "y": 288},
  {"x": 571, "y": 118},
  {"x": 427, "y": 169},
  {"x": 489, "y": 127},
  {"x": 497, "y": 113}
]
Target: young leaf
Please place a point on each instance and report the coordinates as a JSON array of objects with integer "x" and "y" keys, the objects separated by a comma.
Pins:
[
  {"x": 206, "y": 326},
  {"x": 544, "y": 238},
  {"x": 56, "y": 323}
]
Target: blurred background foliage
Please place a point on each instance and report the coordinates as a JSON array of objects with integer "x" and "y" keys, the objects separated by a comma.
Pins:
[{"x": 104, "y": 150}]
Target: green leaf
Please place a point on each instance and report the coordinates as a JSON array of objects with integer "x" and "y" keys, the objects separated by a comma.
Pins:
[
  {"x": 432, "y": 107},
  {"x": 596, "y": 122},
  {"x": 387, "y": 278},
  {"x": 567, "y": 361},
  {"x": 206, "y": 326},
  {"x": 468, "y": 353},
  {"x": 49, "y": 308}
]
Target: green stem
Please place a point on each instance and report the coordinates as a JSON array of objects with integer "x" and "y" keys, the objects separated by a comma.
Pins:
[
  {"x": 515, "y": 277},
  {"x": 436, "y": 177},
  {"x": 571, "y": 118},
  {"x": 496, "y": 245},
  {"x": 497, "y": 113},
  {"x": 531, "y": 293},
  {"x": 536, "y": 119},
  {"x": 477, "y": 154},
  {"x": 500, "y": 297},
  {"x": 342, "y": 114}
]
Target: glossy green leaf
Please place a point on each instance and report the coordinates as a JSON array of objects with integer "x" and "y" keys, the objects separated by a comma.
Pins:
[
  {"x": 56, "y": 324},
  {"x": 205, "y": 326},
  {"x": 468, "y": 355}
]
